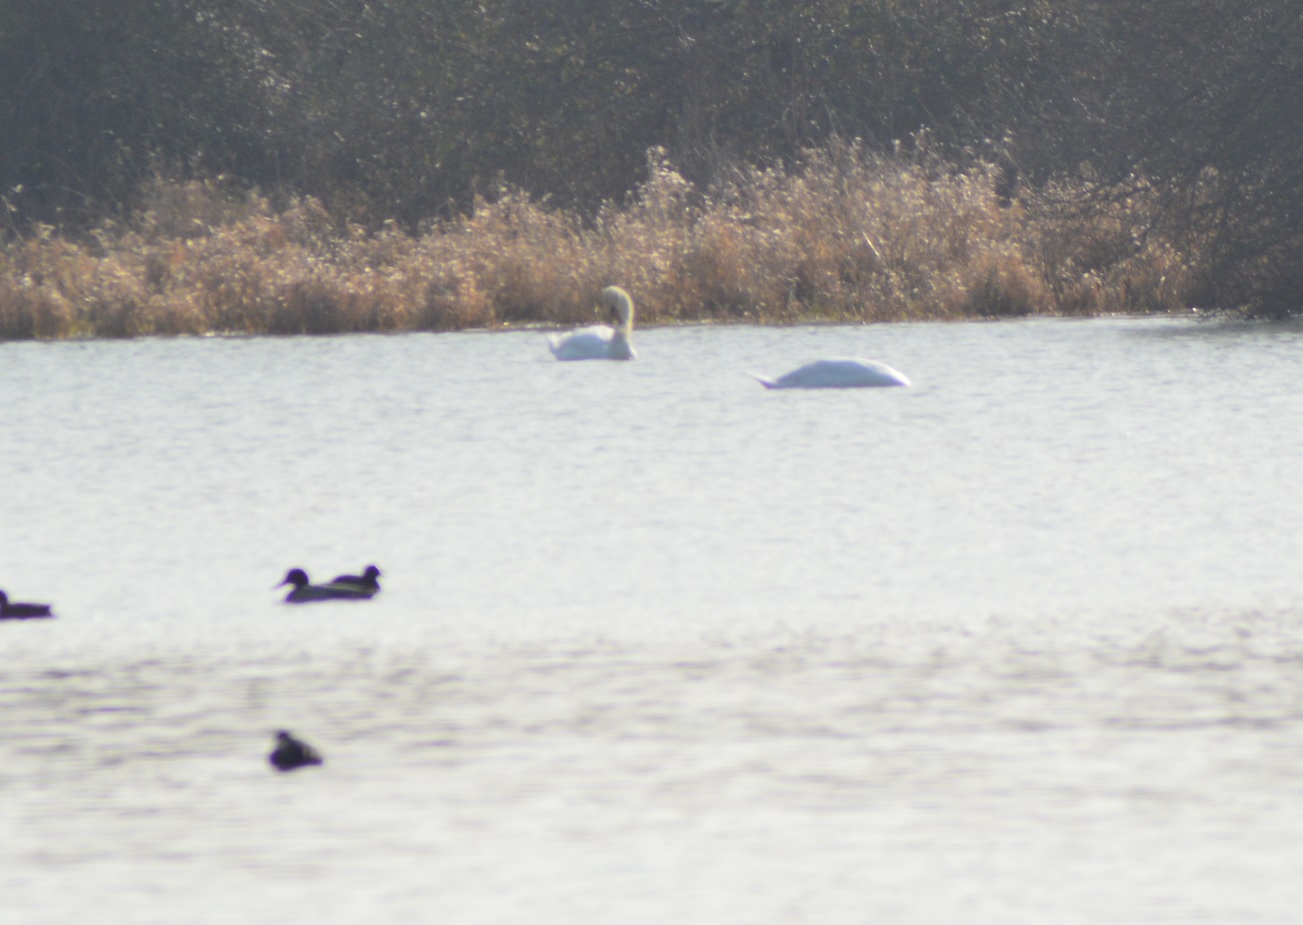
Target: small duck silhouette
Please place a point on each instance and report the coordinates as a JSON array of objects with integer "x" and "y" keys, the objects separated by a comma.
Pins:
[
  {"x": 290, "y": 753},
  {"x": 366, "y": 580},
  {"x": 17, "y": 610},
  {"x": 304, "y": 592}
]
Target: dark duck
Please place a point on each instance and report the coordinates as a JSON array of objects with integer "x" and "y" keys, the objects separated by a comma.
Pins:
[
  {"x": 367, "y": 580},
  {"x": 304, "y": 592},
  {"x": 290, "y": 753},
  {"x": 17, "y": 610}
]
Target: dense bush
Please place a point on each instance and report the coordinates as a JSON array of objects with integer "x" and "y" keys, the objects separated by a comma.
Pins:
[
  {"x": 845, "y": 235},
  {"x": 405, "y": 108},
  {"x": 412, "y": 110}
]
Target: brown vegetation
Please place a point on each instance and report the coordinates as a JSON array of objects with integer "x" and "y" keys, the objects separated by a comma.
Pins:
[
  {"x": 845, "y": 236},
  {"x": 1156, "y": 144}
]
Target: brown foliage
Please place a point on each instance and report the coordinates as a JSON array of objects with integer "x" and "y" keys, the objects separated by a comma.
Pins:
[{"x": 846, "y": 236}]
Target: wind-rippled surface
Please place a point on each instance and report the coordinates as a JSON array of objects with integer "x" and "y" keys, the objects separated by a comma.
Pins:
[{"x": 1022, "y": 643}]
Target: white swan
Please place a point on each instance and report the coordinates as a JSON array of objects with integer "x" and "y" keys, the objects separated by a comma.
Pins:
[
  {"x": 839, "y": 373},
  {"x": 600, "y": 342}
]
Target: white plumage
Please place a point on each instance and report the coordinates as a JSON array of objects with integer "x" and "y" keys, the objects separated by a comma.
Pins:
[
  {"x": 838, "y": 373},
  {"x": 600, "y": 342}
]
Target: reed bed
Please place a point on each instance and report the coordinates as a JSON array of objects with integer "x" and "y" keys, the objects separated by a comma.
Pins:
[{"x": 845, "y": 236}]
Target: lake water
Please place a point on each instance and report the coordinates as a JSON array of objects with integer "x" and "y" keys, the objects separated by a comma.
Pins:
[{"x": 1020, "y": 644}]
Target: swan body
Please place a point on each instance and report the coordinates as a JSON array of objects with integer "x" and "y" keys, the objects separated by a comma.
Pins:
[
  {"x": 304, "y": 592},
  {"x": 290, "y": 753},
  {"x": 16, "y": 610},
  {"x": 599, "y": 342},
  {"x": 839, "y": 373}
]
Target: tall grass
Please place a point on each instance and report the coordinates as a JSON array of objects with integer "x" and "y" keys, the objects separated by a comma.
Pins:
[{"x": 846, "y": 236}]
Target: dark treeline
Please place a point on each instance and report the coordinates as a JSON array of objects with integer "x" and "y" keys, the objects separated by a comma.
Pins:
[{"x": 410, "y": 109}]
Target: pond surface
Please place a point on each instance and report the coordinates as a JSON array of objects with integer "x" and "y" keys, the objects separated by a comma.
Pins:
[{"x": 1021, "y": 643}]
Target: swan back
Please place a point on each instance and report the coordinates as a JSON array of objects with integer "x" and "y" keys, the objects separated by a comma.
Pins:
[{"x": 837, "y": 373}]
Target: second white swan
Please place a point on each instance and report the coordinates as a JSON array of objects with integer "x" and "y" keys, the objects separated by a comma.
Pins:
[
  {"x": 840, "y": 373},
  {"x": 600, "y": 342}
]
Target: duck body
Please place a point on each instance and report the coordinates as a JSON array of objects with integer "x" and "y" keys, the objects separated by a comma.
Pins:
[
  {"x": 291, "y": 753},
  {"x": 600, "y": 342},
  {"x": 17, "y": 610},
  {"x": 304, "y": 592},
  {"x": 837, "y": 373},
  {"x": 367, "y": 580}
]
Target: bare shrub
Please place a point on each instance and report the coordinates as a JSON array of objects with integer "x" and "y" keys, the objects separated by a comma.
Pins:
[
  {"x": 1101, "y": 248},
  {"x": 170, "y": 209},
  {"x": 845, "y": 235},
  {"x": 29, "y": 310}
]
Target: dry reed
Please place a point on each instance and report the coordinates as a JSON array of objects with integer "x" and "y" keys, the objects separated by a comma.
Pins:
[{"x": 846, "y": 236}]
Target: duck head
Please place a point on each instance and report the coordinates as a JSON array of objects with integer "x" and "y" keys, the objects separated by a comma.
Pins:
[{"x": 296, "y": 577}]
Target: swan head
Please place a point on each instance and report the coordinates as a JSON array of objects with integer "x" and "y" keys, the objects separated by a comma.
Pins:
[{"x": 619, "y": 306}]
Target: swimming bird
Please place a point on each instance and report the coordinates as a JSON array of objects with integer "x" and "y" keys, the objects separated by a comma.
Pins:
[
  {"x": 290, "y": 753},
  {"x": 600, "y": 342},
  {"x": 838, "y": 373},
  {"x": 366, "y": 580},
  {"x": 305, "y": 593},
  {"x": 20, "y": 611}
]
